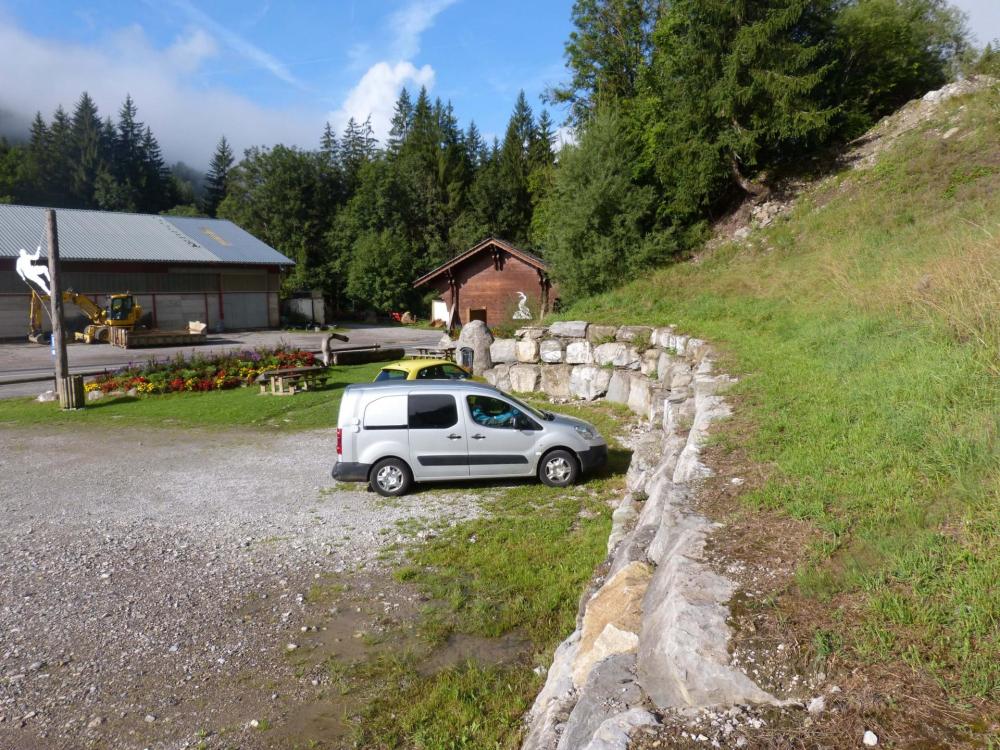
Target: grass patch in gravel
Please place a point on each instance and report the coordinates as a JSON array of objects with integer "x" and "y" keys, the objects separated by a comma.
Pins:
[
  {"x": 510, "y": 580},
  {"x": 240, "y": 407}
]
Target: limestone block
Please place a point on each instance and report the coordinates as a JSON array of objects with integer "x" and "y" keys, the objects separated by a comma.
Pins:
[
  {"x": 477, "y": 337},
  {"x": 664, "y": 366},
  {"x": 680, "y": 380},
  {"x": 640, "y": 395},
  {"x": 618, "y": 387},
  {"x": 525, "y": 378},
  {"x": 615, "y": 733},
  {"x": 504, "y": 351},
  {"x": 648, "y": 362},
  {"x": 556, "y": 380},
  {"x": 551, "y": 351},
  {"x": 662, "y": 337},
  {"x": 527, "y": 350},
  {"x": 554, "y": 703},
  {"x": 579, "y": 353},
  {"x": 610, "y": 686},
  {"x": 589, "y": 382},
  {"x": 529, "y": 332},
  {"x": 499, "y": 377},
  {"x": 570, "y": 329},
  {"x": 617, "y": 354},
  {"x": 683, "y": 643},
  {"x": 617, "y": 603},
  {"x": 641, "y": 334},
  {"x": 601, "y": 334}
]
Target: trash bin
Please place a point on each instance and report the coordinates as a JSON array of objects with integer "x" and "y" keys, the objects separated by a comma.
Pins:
[{"x": 465, "y": 357}]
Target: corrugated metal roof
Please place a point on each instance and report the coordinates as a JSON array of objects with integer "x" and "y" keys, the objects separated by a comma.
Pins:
[{"x": 105, "y": 235}]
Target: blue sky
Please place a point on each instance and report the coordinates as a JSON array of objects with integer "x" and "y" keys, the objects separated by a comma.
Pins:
[{"x": 264, "y": 72}]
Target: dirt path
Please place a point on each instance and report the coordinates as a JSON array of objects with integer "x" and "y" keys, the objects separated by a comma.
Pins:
[{"x": 154, "y": 584}]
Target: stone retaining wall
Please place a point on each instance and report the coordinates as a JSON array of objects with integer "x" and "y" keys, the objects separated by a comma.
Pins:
[{"x": 652, "y": 636}]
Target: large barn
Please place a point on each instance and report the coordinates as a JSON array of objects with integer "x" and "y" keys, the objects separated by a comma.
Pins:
[
  {"x": 494, "y": 282},
  {"x": 180, "y": 269}
]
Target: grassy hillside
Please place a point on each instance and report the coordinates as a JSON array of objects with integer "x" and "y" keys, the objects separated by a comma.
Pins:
[{"x": 865, "y": 328}]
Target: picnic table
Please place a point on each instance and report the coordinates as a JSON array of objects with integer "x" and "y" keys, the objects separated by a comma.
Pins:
[
  {"x": 431, "y": 351},
  {"x": 285, "y": 381}
]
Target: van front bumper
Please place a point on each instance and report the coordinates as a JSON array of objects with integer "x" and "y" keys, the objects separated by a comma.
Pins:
[
  {"x": 348, "y": 471},
  {"x": 594, "y": 458}
]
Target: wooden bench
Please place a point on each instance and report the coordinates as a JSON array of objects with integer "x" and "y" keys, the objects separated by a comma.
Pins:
[{"x": 285, "y": 381}]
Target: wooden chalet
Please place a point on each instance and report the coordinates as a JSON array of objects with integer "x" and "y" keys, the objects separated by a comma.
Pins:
[{"x": 492, "y": 281}]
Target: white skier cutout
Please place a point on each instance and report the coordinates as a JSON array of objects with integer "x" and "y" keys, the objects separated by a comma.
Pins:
[
  {"x": 522, "y": 312},
  {"x": 30, "y": 273}
]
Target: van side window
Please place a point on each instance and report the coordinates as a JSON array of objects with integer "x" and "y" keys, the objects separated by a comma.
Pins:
[
  {"x": 492, "y": 412},
  {"x": 454, "y": 372},
  {"x": 432, "y": 411}
]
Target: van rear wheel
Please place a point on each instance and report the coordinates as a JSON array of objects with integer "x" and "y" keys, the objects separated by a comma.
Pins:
[
  {"x": 391, "y": 477},
  {"x": 559, "y": 469}
]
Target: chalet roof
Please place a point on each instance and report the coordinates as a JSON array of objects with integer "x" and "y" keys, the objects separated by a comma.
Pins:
[{"x": 490, "y": 243}]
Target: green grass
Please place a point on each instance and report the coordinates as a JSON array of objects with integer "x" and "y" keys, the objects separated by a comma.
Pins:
[
  {"x": 520, "y": 570},
  {"x": 240, "y": 407},
  {"x": 865, "y": 329}
]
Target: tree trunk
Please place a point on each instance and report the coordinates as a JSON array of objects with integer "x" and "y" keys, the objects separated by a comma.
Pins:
[{"x": 758, "y": 190}]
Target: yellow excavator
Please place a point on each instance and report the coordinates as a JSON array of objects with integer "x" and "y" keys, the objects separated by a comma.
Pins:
[{"x": 122, "y": 312}]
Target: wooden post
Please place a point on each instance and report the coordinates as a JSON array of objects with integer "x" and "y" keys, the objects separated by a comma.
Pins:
[{"x": 70, "y": 390}]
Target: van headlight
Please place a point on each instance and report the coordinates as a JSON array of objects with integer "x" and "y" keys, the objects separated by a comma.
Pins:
[{"x": 586, "y": 432}]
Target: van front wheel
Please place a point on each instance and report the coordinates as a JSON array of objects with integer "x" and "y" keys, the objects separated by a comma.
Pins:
[
  {"x": 559, "y": 469},
  {"x": 391, "y": 477}
]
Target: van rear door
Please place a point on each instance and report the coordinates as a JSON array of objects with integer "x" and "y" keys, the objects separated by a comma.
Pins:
[{"x": 438, "y": 441}]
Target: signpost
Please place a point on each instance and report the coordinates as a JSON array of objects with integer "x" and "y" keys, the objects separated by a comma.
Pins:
[{"x": 69, "y": 388}]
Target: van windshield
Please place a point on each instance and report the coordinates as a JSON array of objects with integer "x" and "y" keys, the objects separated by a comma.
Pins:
[{"x": 536, "y": 413}]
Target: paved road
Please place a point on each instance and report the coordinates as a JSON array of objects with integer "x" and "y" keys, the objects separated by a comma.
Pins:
[
  {"x": 152, "y": 579},
  {"x": 25, "y": 360}
]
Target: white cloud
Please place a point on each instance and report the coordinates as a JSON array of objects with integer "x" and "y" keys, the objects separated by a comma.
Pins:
[
  {"x": 565, "y": 136},
  {"x": 409, "y": 22},
  {"x": 375, "y": 94},
  {"x": 236, "y": 43},
  {"x": 40, "y": 74},
  {"x": 187, "y": 53}
]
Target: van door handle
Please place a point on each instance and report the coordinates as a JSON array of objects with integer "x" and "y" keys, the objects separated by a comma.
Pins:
[
  {"x": 453, "y": 436},
  {"x": 477, "y": 436}
]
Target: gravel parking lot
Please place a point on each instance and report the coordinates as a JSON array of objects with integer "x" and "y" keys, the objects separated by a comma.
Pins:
[{"x": 153, "y": 581}]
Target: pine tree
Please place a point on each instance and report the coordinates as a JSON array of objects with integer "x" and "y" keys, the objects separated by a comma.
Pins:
[
  {"x": 607, "y": 53},
  {"x": 218, "y": 175},
  {"x": 513, "y": 168},
  {"x": 88, "y": 155},
  {"x": 328, "y": 145},
  {"x": 56, "y": 182},
  {"x": 735, "y": 86},
  {"x": 156, "y": 193},
  {"x": 402, "y": 118},
  {"x": 128, "y": 154}
]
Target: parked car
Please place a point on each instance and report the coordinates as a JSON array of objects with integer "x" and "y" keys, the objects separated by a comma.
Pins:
[
  {"x": 392, "y": 434},
  {"x": 422, "y": 369}
]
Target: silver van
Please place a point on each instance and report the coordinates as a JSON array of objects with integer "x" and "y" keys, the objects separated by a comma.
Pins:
[{"x": 392, "y": 434}]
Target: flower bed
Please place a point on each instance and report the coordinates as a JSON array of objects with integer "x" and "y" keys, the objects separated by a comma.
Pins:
[{"x": 229, "y": 370}]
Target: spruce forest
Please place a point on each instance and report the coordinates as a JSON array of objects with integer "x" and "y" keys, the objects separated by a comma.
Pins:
[{"x": 679, "y": 109}]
